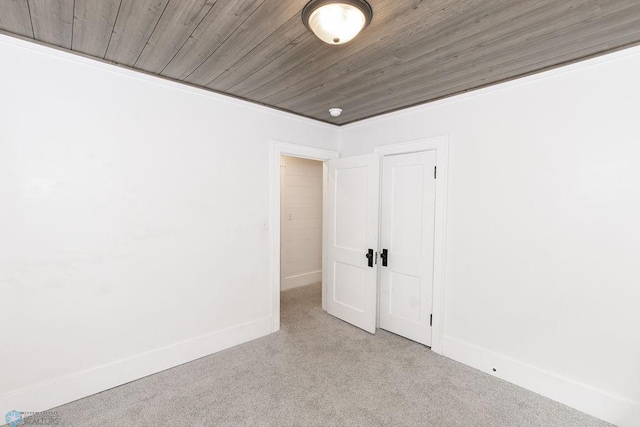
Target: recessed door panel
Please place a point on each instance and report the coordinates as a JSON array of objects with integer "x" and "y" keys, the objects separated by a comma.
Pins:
[
  {"x": 354, "y": 295},
  {"x": 404, "y": 296},
  {"x": 406, "y": 209},
  {"x": 407, "y": 234},
  {"x": 351, "y": 207}
]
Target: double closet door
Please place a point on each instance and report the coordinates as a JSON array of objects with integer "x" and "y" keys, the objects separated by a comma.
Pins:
[{"x": 381, "y": 242}]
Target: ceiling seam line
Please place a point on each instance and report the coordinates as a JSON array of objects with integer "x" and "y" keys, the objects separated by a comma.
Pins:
[
  {"x": 113, "y": 30},
  {"x": 33, "y": 33},
  {"x": 73, "y": 22},
  {"x": 254, "y": 48},
  {"x": 190, "y": 36},
  {"x": 278, "y": 57},
  {"x": 152, "y": 31},
  {"x": 225, "y": 40}
]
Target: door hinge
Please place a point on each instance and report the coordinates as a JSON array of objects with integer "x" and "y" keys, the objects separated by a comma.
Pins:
[
  {"x": 376, "y": 258},
  {"x": 431, "y": 320},
  {"x": 435, "y": 172}
]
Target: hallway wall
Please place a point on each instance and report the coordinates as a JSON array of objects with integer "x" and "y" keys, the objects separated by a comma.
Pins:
[{"x": 301, "y": 222}]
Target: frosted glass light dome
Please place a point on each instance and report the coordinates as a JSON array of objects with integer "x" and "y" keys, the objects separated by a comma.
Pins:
[{"x": 336, "y": 22}]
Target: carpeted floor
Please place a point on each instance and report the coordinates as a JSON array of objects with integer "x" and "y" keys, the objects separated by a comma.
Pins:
[{"x": 321, "y": 371}]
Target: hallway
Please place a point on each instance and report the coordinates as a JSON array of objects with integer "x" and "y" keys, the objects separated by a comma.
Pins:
[{"x": 321, "y": 371}]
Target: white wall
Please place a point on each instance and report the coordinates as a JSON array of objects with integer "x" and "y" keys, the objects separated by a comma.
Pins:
[
  {"x": 543, "y": 229},
  {"x": 301, "y": 222},
  {"x": 124, "y": 249}
]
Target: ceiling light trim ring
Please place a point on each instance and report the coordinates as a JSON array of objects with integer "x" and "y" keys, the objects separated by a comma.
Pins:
[{"x": 314, "y": 5}]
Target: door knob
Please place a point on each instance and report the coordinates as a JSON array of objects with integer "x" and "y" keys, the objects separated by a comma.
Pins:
[
  {"x": 369, "y": 256},
  {"x": 384, "y": 255}
]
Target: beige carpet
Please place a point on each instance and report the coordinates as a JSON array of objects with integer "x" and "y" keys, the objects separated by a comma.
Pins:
[{"x": 321, "y": 371}]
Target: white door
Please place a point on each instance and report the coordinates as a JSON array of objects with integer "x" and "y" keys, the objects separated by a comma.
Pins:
[
  {"x": 406, "y": 243},
  {"x": 353, "y": 191}
]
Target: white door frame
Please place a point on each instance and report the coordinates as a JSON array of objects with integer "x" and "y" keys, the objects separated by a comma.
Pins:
[
  {"x": 440, "y": 145},
  {"x": 277, "y": 149}
]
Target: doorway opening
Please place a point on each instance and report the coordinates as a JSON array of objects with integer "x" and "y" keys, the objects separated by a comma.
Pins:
[
  {"x": 300, "y": 152},
  {"x": 301, "y": 230},
  {"x": 401, "y": 223}
]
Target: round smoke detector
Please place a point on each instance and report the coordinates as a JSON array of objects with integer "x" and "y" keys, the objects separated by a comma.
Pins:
[{"x": 335, "y": 112}]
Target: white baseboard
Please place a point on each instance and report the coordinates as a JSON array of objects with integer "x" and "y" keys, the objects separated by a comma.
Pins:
[
  {"x": 613, "y": 409},
  {"x": 301, "y": 280},
  {"x": 47, "y": 395}
]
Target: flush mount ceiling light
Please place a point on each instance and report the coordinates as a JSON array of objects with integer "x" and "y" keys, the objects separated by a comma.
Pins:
[{"x": 336, "y": 21}]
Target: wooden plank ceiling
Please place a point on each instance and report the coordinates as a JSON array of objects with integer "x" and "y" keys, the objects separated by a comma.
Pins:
[{"x": 413, "y": 52}]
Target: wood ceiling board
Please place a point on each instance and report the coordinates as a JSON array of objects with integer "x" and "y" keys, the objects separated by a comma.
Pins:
[
  {"x": 178, "y": 22},
  {"x": 568, "y": 52},
  {"x": 451, "y": 52},
  {"x": 15, "y": 17},
  {"x": 483, "y": 82},
  {"x": 310, "y": 50},
  {"x": 610, "y": 7},
  {"x": 358, "y": 66},
  {"x": 398, "y": 18},
  {"x": 299, "y": 54},
  {"x": 93, "y": 24},
  {"x": 52, "y": 21},
  {"x": 287, "y": 37},
  {"x": 538, "y": 52},
  {"x": 440, "y": 40},
  {"x": 414, "y": 51},
  {"x": 209, "y": 35},
  {"x": 443, "y": 46},
  {"x": 135, "y": 22},
  {"x": 270, "y": 15}
]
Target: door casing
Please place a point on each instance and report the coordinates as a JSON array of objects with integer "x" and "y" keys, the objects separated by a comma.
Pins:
[{"x": 277, "y": 149}]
